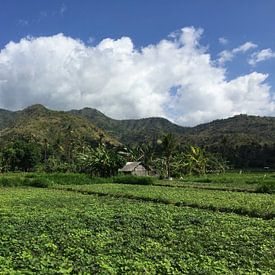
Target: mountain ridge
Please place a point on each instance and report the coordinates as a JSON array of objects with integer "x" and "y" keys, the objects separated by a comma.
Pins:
[
  {"x": 245, "y": 141},
  {"x": 131, "y": 131},
  {"x": 37, "y": 123}
]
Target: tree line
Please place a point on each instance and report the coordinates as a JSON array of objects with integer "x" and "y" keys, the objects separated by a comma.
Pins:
[{"x": 164, "y": 157}]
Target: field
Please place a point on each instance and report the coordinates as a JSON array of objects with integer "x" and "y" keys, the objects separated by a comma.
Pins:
[{"x": 192, "y": 226}]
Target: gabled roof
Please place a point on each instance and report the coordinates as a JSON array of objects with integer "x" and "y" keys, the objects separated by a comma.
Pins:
[{"x": 130, "y": 166}]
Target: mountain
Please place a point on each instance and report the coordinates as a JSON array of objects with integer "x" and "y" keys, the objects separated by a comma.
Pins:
[
  {"x": 6, "y": 118},
  {"x": 241, "y": 128},
  {"x": 39, "y": 124},
  {"x": 131, "y": 130},
  {"x": 246, "y": 141}
]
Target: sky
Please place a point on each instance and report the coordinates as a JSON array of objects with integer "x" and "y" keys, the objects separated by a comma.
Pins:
[{"x": 190, "y": 61}]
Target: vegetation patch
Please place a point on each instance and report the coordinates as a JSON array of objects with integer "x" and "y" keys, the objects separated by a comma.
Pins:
[
  {"x": 266, "y": 188},
  {"x": 133, "y": 180},
  {"x": 8, "y": 181},
  {"x": 57, "y": 232},
  {"x": 254, "y": 205}
]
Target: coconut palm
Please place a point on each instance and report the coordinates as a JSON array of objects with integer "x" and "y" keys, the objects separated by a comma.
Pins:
[{"x": 169, "y": 144}]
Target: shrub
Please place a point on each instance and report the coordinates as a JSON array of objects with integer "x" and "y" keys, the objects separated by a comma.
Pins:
[
  {"x": 133, "y": 180},
  {"x": 37, "y": 182},
  {"x": 266, "y": 188},
  {"x": 10, "y": 181}
]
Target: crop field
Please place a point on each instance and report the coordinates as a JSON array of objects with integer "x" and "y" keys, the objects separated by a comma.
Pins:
[
  {"x": 108, "y": 228},
  {"x": 258, "y": 205}
]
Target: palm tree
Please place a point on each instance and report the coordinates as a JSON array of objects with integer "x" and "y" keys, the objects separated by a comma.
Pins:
[{"x": 169, "y": 145}]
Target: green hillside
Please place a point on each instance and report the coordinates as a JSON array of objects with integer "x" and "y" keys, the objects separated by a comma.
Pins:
[
  {"x": 245, "y": 141},
  {"x": 242, "y": 128},
  {"x": 6, "y": 118},
  {"x": 131, "y": 130},
  {"x": 38, "y": 124}
]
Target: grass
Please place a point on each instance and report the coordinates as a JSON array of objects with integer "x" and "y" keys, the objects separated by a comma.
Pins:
[
  {"x": 244, "y": 182},
  {"x": 133, "y": 180},
  {"x": 53, "y": 178},
  {"x": 45, "y": 231}
]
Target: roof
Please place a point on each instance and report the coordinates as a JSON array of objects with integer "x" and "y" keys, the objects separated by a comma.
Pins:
[{"x": 130, "y": 166}]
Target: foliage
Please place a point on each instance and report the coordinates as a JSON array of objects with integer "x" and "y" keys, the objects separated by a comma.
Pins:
[
  {"x": 266, "y": 188},
  {"x": 100, "y": 161},
  {"x": 57, "y": 134},
  {"x": 168, "y": 144},
  {"x": 55, "y": 164},
  {"x": 133, "y": 180},
  {"x": 19, "y": 181},
  {"x": 21, "y": 155},
  {"x": 197, "y": 161},
  {"x": 255, "y": 205},
  {"x": 58, "y": 232},
  {"x": 11, "y": 181},
  {"x": 37, "y": 182}
]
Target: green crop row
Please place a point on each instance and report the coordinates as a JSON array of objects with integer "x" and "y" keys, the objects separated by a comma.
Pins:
[
  {"x": 47, "y": 231},
  {"x": 255, "y": 205}
]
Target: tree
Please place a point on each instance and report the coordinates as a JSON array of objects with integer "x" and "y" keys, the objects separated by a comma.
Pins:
[
  {"x": 197, "y": 161},
  {"x": 21, "y": 155},
  {"x": 100, "y": 161},
  {"x": 169, "y": 145}
]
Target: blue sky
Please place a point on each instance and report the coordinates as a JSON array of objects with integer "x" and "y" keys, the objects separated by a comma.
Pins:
[{"x": 222, "y": 27}]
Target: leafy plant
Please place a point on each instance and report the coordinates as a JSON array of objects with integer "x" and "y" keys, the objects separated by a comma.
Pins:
[
  {"x": 100, "y": 161},
  {"x": 133, "y": 180}
]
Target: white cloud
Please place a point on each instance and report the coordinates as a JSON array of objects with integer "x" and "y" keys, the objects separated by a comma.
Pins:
[
  {"x": 245, "y": 47},
  {"x": 261, "y": 56},
  {"x": 123, "y": 82},
  {"x": 223, "y": 41},
  {"x": 225, "y": 56}
]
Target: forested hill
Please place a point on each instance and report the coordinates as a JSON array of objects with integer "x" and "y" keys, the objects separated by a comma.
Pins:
[
  {"x": 131, "y": 131},
  {"x": 6, "y": 118},
  {"x": 241, "y": 129},
  {"x": 39, "y": 124},
  {"x": 246, "y": 141}
]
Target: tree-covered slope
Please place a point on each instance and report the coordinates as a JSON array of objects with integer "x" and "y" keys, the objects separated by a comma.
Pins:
[
  {"x": 38, "y": 124},
  {"x": 6, "y": 118},
  {"x": 131, "y": 130},
  {"x": 239, "y": 129},
  {"x": 244, "y": 140}
]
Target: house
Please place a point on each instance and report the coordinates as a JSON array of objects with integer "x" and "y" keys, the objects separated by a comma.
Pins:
[{"x": 134, "y": 168}]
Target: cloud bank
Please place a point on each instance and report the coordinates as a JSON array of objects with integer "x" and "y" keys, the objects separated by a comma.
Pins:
[{"x": 175, "y": 78}]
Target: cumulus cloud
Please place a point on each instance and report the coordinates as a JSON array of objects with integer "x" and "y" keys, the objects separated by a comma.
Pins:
[
  {"x": 226, "y": 55},
  {"x": 175, "y": 78},
  {"x": 261, "y": 56}
]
